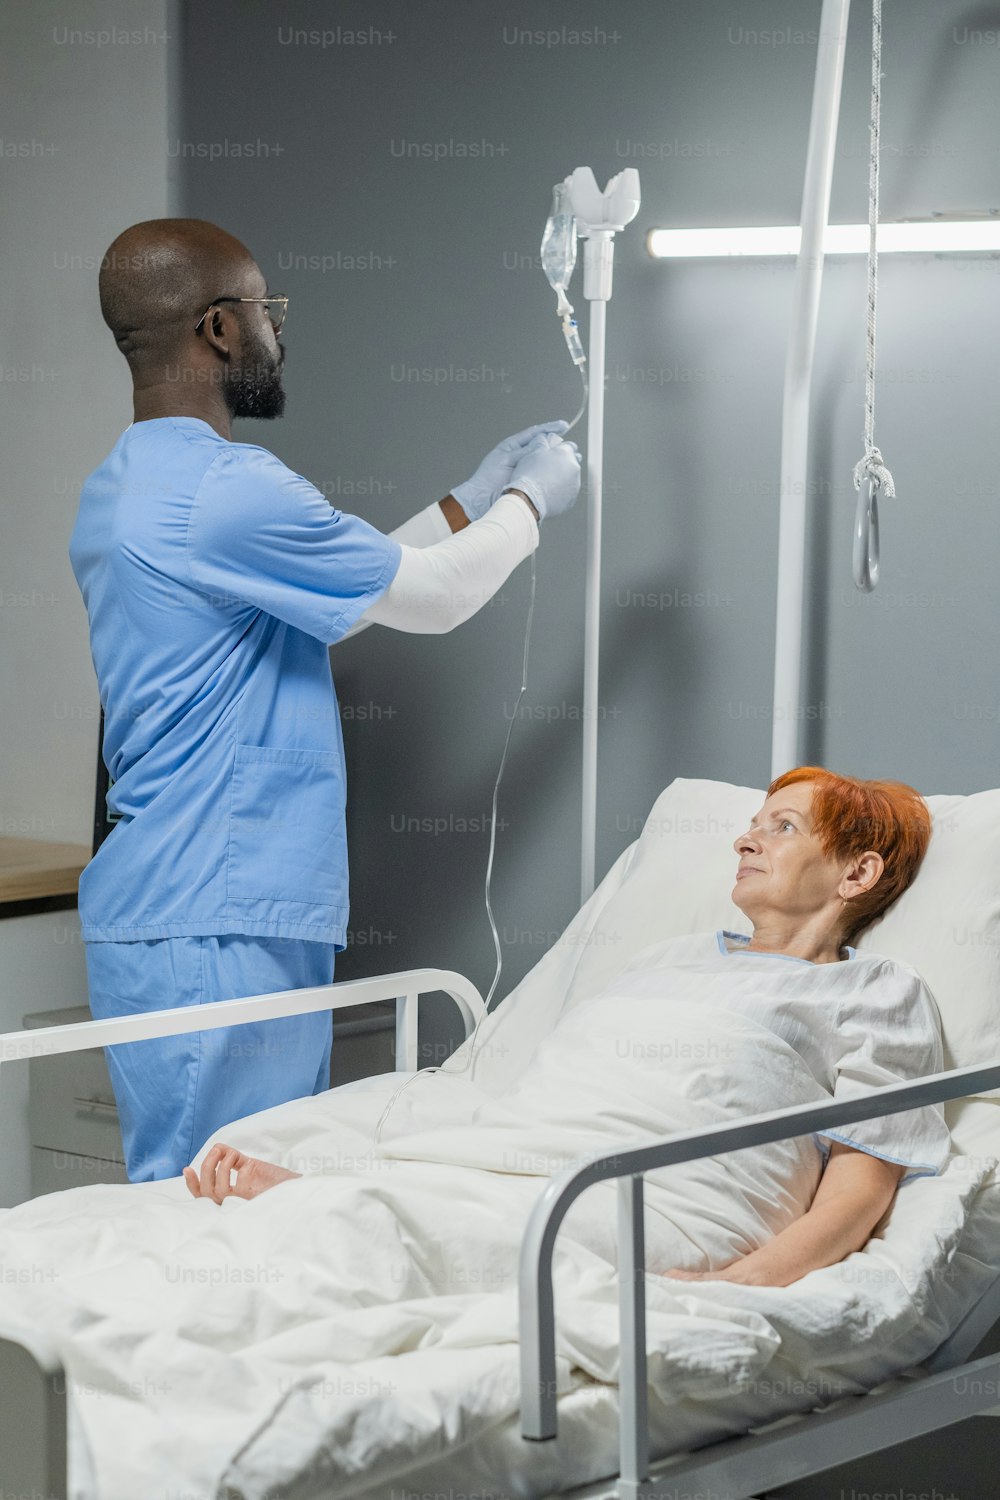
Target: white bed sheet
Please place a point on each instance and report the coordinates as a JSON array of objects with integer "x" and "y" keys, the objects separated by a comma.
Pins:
[
  {"x": 240, "y": 1351},
  {"x": 722, "y": 1358}
]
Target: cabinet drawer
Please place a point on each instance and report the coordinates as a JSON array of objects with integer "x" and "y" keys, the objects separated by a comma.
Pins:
[
  {"x": 52, "y": 1171},
  {"x": 71, "y": 1105}
]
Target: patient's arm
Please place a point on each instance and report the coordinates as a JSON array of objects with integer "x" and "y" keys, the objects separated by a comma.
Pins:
[
  {"x": 253, "y": 1177},
  {"x": 854, "y": 1192}
]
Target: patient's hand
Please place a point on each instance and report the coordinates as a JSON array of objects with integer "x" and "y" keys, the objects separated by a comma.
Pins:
[{"x": 215, "y": 1181}]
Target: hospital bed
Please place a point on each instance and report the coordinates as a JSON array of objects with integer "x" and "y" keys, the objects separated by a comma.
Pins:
[{"x": 738, "y": 1443}]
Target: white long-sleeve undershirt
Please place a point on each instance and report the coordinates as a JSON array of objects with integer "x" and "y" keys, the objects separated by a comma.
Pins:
[{"x": 445, "y": 576}]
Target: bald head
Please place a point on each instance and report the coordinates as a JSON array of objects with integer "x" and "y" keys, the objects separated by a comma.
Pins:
[
  {"x": 159, "y": 276},
  {"x": 157, "y": 281}
]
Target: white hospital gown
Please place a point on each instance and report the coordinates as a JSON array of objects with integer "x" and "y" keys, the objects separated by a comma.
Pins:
[
  {"x": 859, "y": 1024},
  {"x": 753, "y": 1032},
  {"x": 687, "y": 1036}
]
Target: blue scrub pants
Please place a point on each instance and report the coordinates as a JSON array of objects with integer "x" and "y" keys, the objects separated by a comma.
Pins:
[{"x": 173, "y": 1093}]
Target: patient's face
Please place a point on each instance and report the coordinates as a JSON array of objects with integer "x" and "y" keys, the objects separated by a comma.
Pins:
[{"x": 782, "y": 868}]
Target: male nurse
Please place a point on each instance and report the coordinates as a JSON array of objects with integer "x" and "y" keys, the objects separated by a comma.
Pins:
[{"x": 215, "y": 579}]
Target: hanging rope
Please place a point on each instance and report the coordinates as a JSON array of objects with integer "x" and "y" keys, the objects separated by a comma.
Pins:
[{"x": 872, "y": 464}]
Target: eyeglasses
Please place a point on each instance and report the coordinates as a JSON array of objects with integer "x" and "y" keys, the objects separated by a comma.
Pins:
[{"x": 277, "y": 317}]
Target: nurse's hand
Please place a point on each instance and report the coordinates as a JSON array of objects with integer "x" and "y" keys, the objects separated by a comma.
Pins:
[
  {"x": 228, "y": 1173},
  {"x": 549, "y": 474},
  {"x": 492, "y": 477}
]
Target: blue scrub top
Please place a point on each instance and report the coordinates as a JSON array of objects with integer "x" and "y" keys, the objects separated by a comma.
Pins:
[{"x": 214, "y": 580}]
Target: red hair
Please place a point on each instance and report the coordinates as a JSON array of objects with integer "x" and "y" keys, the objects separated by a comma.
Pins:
[{"x": 850, "y": 816}]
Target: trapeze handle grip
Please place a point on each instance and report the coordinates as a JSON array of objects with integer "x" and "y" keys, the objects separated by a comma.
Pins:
[{"x": 866, "y": 550}]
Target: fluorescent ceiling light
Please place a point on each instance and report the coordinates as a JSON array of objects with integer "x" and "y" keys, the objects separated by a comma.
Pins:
[{"x": 936, "y": 237}]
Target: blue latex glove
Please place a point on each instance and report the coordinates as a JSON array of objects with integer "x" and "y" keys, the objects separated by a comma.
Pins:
[
  {"x": 492, "y": 477},
  {"x": 549, "y": 474}
]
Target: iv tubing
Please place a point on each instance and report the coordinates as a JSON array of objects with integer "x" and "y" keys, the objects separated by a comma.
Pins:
[{"x": 583, "y": 403}]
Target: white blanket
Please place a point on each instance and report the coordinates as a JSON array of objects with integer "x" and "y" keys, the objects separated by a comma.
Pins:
[{"x": 359, "y": 1326}]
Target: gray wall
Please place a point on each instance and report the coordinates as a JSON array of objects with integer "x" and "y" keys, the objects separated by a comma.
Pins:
[{"x": 711, "y": 103}]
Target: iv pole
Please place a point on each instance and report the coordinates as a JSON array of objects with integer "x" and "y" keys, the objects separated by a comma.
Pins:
[{"x": 599, "y": 216}]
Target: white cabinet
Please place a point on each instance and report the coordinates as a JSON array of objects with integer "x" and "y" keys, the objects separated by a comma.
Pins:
[
  {"x": 72, "y": 1117},
  {"x": 42, "y": 967}
]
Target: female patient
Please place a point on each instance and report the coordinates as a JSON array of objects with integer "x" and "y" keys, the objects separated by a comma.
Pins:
[{"x": 823, "y": 858}]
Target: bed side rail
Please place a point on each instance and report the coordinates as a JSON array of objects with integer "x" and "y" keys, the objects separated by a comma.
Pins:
[
  {"x": 537, "y": 1311},
  {"x": 34, "y": 1413},
  {"x": 404, "y": 987}
]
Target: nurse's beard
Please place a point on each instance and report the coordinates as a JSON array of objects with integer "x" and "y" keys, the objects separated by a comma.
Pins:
[{"x": 253, "y": 389}]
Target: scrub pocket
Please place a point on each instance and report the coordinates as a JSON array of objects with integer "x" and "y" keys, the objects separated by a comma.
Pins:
[{"x": 286, "y": 826}]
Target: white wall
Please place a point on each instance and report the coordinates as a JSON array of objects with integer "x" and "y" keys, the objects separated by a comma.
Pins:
[
  {"x": 86, "y": 110},
  {"x": 84, "y": 130}
]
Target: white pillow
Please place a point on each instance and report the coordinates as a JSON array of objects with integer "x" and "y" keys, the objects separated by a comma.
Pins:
[
  {"x": 676, "y": 879},
  {"x": 946, "y": 926}
]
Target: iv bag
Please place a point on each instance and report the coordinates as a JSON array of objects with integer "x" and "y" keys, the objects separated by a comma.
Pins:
[{"x": 559, "y": 240}]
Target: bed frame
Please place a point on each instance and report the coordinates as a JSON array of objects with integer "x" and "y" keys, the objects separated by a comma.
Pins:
[
  {"x": 736, "y": 1468},
  {"x": 35, "y": 1415}
]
